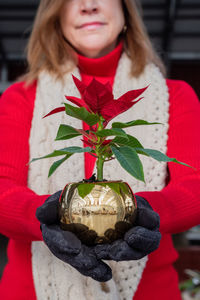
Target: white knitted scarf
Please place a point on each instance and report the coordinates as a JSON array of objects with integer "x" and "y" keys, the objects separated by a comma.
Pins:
[{"x": 54, "y": 279}]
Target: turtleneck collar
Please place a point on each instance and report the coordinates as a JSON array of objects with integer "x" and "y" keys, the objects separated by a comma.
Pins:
[{"x": 101, "y": 67}]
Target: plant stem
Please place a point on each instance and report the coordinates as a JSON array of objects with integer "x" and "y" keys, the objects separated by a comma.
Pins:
[
  {"x": 100, "y": 163},
  {"x": 100, "y": 160}
]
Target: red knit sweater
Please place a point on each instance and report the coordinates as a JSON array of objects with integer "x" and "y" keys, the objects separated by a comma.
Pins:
[{"x": 177, "y": 204}]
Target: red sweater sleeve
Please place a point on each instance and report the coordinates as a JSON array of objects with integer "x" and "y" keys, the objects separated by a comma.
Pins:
[
  {"x": 178, "y": 204},
  {"x": 17, "y": 202}
]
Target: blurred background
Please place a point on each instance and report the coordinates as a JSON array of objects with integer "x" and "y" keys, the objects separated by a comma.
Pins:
[{"x": 174, "y": 28}]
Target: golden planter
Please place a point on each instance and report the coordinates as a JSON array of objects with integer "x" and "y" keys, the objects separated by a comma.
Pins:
[{"x": 97, "y": 212}]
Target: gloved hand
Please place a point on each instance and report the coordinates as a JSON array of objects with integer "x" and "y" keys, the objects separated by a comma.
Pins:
[
  {"x": 139, "y": 241},
  {"x": 66, "y": 246}
]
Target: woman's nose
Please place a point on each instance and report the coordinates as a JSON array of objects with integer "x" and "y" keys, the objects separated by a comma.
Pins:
[{"x": 89, "y": 6}]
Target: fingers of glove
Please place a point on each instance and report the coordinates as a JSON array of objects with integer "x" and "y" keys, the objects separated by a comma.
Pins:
[
  {"x": 67, "y": 247},
  {"x": 141, "y": 202},
  {"x": 102, "y": 251},
  {"x": 102, "y": 272},
  {"x": 146, "y": 216},
  {"x": 143, "y": 239},
  {"x": 48, "y": 212},
  {"x": 86, "y": 259},
  {"x": 59, "y": 240},
  {"x": 118, "y": 251}
]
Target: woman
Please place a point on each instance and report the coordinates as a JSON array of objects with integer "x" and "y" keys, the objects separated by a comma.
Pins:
[{"x": 105, "y": 39}]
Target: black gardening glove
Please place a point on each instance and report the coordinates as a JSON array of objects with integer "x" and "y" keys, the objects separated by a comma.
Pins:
[
  {"x": 66, "y": 246},
  {"x": 139, "y": 241}
]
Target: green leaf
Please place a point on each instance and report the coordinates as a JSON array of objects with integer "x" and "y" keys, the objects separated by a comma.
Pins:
[
  {"x": 118, "y": 186},
  {"x": 159, "y": 156},
  {"x": 84, "y": 189},
  {"x": 124, "y": 187},
  {"x": 66, "y": 132},
  {"x": 115, "y": 186},
  {"x": 112, "y": 185},
  {"x": 101, "y": 183},
  {"x": 132, "y": 123},
  {"x": 129, "y": 160},
  {"x": 64, "y": 151},
  {"x": 53, "y": 154},
  {"x": 81, "y": 113},
  {"x": 186, "y": 285},
  {"x": 76, "y": 149},
  {"x": 57, "y": 163},
  {"x": 131, "y": 141},
  {"x": 110, "y": 132}
]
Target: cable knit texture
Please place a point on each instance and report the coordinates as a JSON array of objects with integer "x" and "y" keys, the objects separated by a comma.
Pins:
[{"x": 54, "y": 279}]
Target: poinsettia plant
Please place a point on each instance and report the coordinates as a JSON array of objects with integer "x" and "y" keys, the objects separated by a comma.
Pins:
[{"x": 97, "y": 107}]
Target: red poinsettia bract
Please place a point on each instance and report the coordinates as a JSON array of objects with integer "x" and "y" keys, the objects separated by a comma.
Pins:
[{"x": 98, "y": 98}]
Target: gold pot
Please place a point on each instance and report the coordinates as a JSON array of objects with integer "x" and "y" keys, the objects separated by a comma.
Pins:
[{"x": 97, "y": 212}]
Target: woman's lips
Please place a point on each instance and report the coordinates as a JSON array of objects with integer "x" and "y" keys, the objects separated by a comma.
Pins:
[{"x": 92, "y": 25}]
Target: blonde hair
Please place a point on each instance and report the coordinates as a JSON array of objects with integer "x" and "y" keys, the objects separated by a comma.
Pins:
[{"x": 48, "y": 50}]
